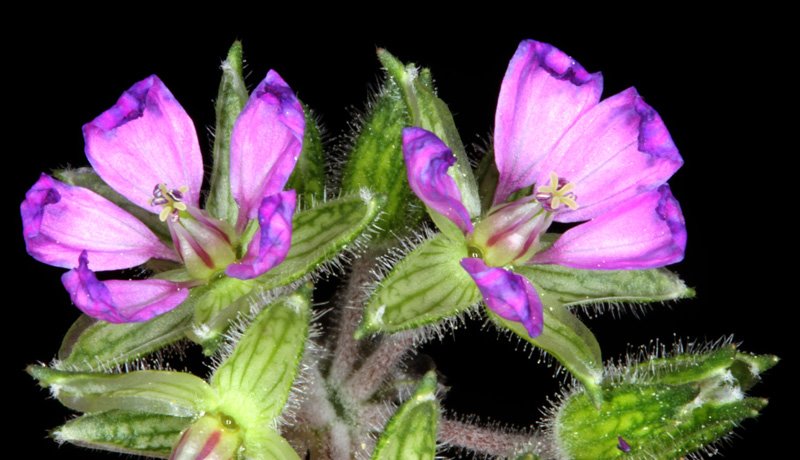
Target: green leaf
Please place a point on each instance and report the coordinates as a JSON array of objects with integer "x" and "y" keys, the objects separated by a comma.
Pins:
[
  {"x": 254, "y": 382},
  {"x": 427, "y": 285},
  {"x": 411, "y": 432},
  {"x": 568, "y": 340},
  {"x": 128, "y": 432},
  {"x": 158, "y": 392},
  {"x": 571, "y": 286},
  {"x": 231, "y": 99},
  {"x": 430, "y": 112},
  {"x": 308, "y": 177},
  {"x": 321, "y": 233},
  {"x": 87, "y": 178},
  {"x": 376, "y": 161},
  {"x": 91, "y": 345}
]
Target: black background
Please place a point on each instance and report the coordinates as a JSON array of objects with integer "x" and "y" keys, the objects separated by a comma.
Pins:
[{"x": 716, "y": 85}]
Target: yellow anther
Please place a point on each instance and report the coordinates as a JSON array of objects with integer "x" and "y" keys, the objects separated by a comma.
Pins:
[
  {"x": 558, "y": 192},
  {"x": 170, "y": 200}
]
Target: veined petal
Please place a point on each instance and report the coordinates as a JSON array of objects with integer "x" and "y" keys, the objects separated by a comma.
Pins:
[
  {"x": 509, "y": 295},
  {"x": 646, "y": 231},
  {"x": 120, "y": 301},
  {"x": 271, "y": 243},
  {"x": 144, "y": 140},
  {"x": 427, "y": 161},
  {"x": 543, "y": 92},
  {"x": 60, "y": 221},
  {"x": 265, "y": 144},
  {"x": 615, "y": 151}
]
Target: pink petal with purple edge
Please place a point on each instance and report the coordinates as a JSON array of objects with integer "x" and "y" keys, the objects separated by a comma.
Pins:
[
  {"x": 120, "y": 301},
  {"x": 544, "y": 91},
  {"x": 144, "y": 140},
  {"x": 615, "y": 151},
  {"x": 265, "y": 144},
  {"x": 427, "y": 161},
  {"x": 509, "y": 295},
  {"x": 647, "y": 231},
  {"x": 271, "y": 243},
  {"x": 60, "y": 221}
]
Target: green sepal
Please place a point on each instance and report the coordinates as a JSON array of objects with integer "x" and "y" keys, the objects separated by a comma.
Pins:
[
  {"x": 685, "y": 368},
  {"x": 571, "y": 286},
  {"x": 214, "y": 310},
  {"x": 527, "y": 456},
  {"x": 157, "y": 392},
  {"x": 411, "y": 432},
  {"x": 427, "y": 285},
  {"x": 689, "y": 366},
  {"x": 431, "y": 113},
  {"x": 92, "y": 345},
  {"x": 231, "y": 99},
  {"x": 127, "y": 432},
  {"x": 321, "y": 233},
  {"x": 254, "y": 382},
  {"x": 308, "y": 177},
  {"x": 376, "y": 161},
  {"x": 268, "y": 445},
  {"x": 87, "y": 178},
  {"x": 568, "y": 340},
  {"x": 487, "y": 176}
]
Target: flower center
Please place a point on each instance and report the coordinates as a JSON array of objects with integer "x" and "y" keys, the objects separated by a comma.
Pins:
[
  {"x": 556, "y": 194},
  {"x": 170, "y": 200},
  {"x": 205, "y": 245}
]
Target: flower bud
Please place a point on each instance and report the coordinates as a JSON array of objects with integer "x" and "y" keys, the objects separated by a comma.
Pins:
[
  {"x": 662, "y": 408},
  {"x": 211, "y": 437}
]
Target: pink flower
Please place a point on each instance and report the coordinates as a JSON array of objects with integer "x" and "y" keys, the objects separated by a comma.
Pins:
[
  {"x": 565, "y": 156},
  {"x": 145, "y": 147}
]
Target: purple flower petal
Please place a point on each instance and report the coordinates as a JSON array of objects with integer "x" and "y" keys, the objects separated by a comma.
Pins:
[
  {"x": 427, "y": 161},
  {"x": 646, "y": 231},
  {"x": 265, "y": 143},
  {"x": 60, "y": 221},
  {"x": 271, "y": 243},
  {"x": 144, "y": 140},
  {"x": 509, "y": 295},
  {"x": 120, "y": 301},
  {"x": 544, "y": 91},
  {"x": 615, "y": 151}
]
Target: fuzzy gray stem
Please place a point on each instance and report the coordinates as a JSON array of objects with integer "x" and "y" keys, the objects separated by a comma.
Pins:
[
  {"x": 316, "y": 411},
  {"x": 481, "y": 440},
  {"x": 376, "y": 367},
  {"x": 340, "y": 443},
  {"x": 346, "y": 353}
]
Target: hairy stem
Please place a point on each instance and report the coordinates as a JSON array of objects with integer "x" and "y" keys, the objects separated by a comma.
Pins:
[
  {"x": 346, "y": 352},
  {"x": 376, "y": 367},
  {"x": 316, "y": 410},
  {"x": 481, "y": 440}
]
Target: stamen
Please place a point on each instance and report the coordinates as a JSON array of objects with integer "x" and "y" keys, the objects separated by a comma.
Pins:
[
  {"x": 557, "y": 193},
  {"x": 171, "y": 200}
]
